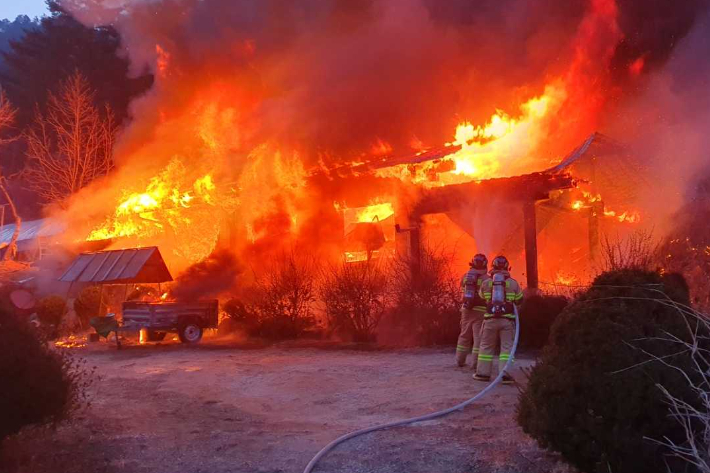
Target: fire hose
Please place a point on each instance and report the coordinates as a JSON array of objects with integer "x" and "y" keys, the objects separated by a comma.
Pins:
[{"x": 433, "y": 415}]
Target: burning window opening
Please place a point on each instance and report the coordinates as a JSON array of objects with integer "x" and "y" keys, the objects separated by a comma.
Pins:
[{"x": 368, "y": 231}]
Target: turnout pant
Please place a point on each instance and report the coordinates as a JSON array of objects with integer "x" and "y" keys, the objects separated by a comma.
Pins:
[
  {"x": 470, "y": 336},
  {"x": 494, "y": 329}
]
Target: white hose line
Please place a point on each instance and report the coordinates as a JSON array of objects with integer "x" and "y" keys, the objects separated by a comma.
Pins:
[{"x": 433, "y": 415}]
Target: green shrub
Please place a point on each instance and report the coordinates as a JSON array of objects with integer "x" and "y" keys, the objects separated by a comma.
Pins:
[
  {"x": 39, "y": 384},
  {"x": 594, "y": 395},
  {"x": 537, "y": 315},
  {"x": 50, "y": 311},
  {"x": 88, "y": 304}
]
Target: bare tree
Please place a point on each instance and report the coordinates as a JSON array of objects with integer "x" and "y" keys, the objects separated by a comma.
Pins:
[
  {"x": 426, "y": 301},
  {"x": 691, "y": 411},
  {"x": 7, "y": 118},
  {"x": 71, "y": 143},
  {"x": 356, "y": 297},
  {"x": 287, "y": 294}
]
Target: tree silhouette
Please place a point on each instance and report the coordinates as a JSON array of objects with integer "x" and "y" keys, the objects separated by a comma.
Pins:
[
  {"x": 71, "y": 143},
  {"x": 60, "y": 46}
]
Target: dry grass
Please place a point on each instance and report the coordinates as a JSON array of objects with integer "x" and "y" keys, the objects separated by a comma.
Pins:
[
  {"x": 694, "y": 417},
  {"x": 692, "y": 414},
  {"x": 637, "y": 251}
]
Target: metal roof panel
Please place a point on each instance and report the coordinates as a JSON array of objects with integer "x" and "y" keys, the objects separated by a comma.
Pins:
[
  {"x": 32, "y": 229},
  {"x": 118, "y": 267}
]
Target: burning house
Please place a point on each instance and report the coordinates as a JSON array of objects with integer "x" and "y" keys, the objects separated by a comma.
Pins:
[
  {"x": 286, "y": 131},
  {"x": 523, "y": 206}
]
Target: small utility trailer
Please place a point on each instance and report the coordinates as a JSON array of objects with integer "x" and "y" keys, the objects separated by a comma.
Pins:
[{"x": 187, "y": 319}]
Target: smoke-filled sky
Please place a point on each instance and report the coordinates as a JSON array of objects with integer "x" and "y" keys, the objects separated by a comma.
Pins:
[{"x": 337, "y": 75}]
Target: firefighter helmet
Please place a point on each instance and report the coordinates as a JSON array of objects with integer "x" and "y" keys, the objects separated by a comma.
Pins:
[
  {"x": 500, "y": 263},
  {"x": 479, "y": 262}
]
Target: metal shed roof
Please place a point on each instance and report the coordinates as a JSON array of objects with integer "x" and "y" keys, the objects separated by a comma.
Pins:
[
  {"x": 132, "y": 265},
  {"x": 32, "y": 229}
]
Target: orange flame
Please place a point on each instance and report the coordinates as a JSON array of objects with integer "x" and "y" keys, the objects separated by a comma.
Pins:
[
  {"x": 162, "y": 61},
  {"x": 173, "y": 210},
  {"x": 502, "y": 147},
  {"x": 159, "y": 206},
  {"x": 628, "y": 216},
  {"x": 374, "y": 213}
]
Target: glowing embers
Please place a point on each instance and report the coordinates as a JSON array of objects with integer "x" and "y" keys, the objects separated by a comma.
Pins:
[
  {"x": 586, "y": 200},
  {"x": 72, "y": 341},
  {"x": 369, "y": 231}
]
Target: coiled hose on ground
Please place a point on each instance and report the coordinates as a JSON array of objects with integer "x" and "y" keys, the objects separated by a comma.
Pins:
[{"x": 433, "y": 415}]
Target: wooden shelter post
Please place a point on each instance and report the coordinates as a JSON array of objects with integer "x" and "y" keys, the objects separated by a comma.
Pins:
[
  {"x": 530, "y": 226},
  {"x": 596, "y": 209}
]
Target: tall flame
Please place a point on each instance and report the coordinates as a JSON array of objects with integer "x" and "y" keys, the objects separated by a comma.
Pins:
[
  {"x": 170, "y": 206},
  {"x": 502, "y": 147}
]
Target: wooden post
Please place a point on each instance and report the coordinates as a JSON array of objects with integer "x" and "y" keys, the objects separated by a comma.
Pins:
[
  {"x": 596, "y": 209},
  {"x": 530, "y": 226}
]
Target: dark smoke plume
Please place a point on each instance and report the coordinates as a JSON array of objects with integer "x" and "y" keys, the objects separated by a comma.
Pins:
[
  {"x": 332, "y": 77},
  {"x": 216, "y": 274}
]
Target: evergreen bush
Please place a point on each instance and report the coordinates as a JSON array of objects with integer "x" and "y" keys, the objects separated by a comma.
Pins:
[
  {"x": 594, "y": 395},
  {"x": 40, "y": 384}
]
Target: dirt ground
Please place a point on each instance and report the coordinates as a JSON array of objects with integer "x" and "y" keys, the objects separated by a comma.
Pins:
[{"x": 224, "y": 407}]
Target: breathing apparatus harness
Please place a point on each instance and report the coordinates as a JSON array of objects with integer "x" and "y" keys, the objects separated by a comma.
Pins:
[
  {"x": 471, "y": 297},
  {"x": 499, "y": 306},
  {"x": 498, "y": 299},
  {"x": 472, "y": 282}
]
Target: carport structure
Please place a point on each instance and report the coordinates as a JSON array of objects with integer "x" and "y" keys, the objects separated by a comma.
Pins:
[{"x": 118, "y": 267}]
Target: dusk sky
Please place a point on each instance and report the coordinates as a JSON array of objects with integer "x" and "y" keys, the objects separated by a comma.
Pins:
[{"x": 11, "y": 8}]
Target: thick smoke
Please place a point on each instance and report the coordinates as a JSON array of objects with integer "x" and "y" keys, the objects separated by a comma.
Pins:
[
  {"x": 216, "y": 274},
  {"x": 332, "y": 77},
  {"x": 665, "y": 124}
]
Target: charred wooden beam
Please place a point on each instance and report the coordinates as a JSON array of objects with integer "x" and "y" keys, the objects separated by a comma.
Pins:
[{"x": 525, "y": 188}]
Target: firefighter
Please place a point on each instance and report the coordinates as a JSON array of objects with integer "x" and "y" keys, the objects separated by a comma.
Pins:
[
  {"x": 500, "y": 292},
  {"x": 472, "y": 310}
]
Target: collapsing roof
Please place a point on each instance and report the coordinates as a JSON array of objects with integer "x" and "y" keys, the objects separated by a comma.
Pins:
[{"x": 133, "y": 265}]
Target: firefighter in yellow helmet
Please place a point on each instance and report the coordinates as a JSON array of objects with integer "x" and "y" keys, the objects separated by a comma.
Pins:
[
  {"x": 472, "y": 310},
  {"x": 500, "y": 292}
]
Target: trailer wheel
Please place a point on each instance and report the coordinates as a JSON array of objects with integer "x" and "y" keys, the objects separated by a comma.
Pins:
[{"x": 190, "y": 332}]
